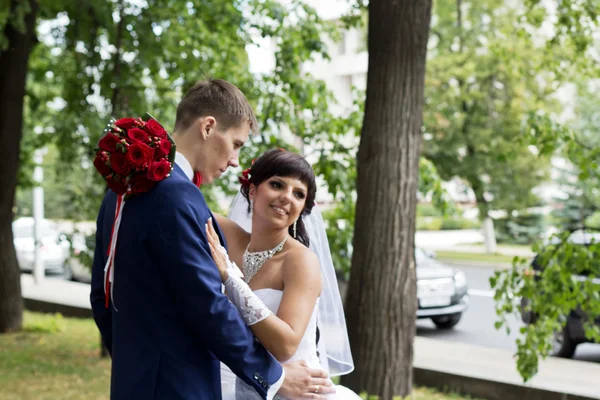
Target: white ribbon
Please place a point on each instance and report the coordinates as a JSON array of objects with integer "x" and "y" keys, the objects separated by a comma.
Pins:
[{"x": 109, "y": 267}]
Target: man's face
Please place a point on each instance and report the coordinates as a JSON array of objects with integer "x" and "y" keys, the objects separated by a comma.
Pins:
[{"x": 221, "y": 150}]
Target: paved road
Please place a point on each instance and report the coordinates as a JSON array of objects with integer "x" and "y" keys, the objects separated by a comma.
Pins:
[{"x": 477, "y": 324}]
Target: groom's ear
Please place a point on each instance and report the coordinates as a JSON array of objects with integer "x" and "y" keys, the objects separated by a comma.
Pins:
[{"x": 208, "y": 126}]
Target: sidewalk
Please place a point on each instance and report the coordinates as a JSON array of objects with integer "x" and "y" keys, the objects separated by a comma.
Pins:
[
  {"x": 484, "y": 372},
  {"x": 491, "y": 373},
  {"x": 55, "y": 295}
]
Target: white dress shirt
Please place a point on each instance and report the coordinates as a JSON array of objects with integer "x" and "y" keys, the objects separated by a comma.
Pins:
[{"x": 184, "y": 164}]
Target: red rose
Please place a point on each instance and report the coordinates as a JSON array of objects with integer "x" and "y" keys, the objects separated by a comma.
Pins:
[
  {"x": 119, "y": 164},
  {"x": 162, "y": 149},
  {"x": 138, "y": 135},
  {"x": 101, "y": 164},
  {"x": 139, "y": 155},
  {"x": 109, "y": 142},
  {"x": 159, "y": 170},
  {"x": 154, "y": 128},
  {"x": 127, "y": 123},
  {"x": 140, "y": 184},
  {"x": 116, "y": 186}
]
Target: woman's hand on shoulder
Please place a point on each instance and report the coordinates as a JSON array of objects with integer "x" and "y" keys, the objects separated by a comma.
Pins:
[{"x": 217, "y": 251}]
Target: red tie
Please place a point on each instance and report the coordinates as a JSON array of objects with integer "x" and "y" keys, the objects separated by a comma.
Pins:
[{"x": 197, "y": 179}]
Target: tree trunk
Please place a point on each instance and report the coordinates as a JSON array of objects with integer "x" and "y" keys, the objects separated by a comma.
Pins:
[
  {"x": 487, "y": 223},
  {"x": 381, "y": 303},
  {"x": 13, "y": 71}
]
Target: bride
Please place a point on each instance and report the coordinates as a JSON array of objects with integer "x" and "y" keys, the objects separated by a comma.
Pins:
[{"x": 286, "y": 293}]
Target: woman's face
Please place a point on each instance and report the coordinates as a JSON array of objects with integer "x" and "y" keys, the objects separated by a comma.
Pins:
[{"x": 279, "y": 200}]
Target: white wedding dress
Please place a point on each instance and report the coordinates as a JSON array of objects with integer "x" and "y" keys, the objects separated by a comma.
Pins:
[{"x": 234, "y": 388}]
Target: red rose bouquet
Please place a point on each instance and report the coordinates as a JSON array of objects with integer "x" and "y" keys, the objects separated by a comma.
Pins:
[{"x": 134, "y": 154}]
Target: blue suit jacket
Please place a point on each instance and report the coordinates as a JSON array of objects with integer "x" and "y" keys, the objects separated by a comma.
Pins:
[{"x": 172, "y": 324}]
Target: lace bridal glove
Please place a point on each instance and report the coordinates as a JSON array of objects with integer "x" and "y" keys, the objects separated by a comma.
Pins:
[{"x": 251, "y": 308}]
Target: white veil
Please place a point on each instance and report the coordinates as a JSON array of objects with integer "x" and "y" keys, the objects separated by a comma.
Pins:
[{"x": 333, "y": 346}]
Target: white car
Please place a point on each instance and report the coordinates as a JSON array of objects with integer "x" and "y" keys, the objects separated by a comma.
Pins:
[{"x": 54, "y": 249}]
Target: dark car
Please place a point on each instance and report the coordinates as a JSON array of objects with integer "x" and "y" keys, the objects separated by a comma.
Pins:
[
  {"x": 441, "y": 290},
  {"x": 566, "y": 341}
]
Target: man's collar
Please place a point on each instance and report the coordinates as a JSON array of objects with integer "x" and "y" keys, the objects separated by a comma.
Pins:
[{"x": 184, "y": 164}]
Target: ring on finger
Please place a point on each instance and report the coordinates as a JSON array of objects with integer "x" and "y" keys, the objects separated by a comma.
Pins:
[{"x": 317, "y": 389}]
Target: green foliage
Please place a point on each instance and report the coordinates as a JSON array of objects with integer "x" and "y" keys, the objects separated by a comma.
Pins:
[
  {"x": 49, "y": 324},
  {"x": 123, "y": 58},
  {"x": 69, "y": 193},
  {"x": 482, "y": 80},
  {"x": 593, "y": 221},
  {"x": 505, "y": 68},
  {"x": 523, "y": 228},
  {"x": 580, "y": 179},
  {"x": 428, "y": 210},
  {"x": 422, "y": 393},
  {"x": 563, "y": 282},
  {"x": 574, "y": 23},
  {"x": 580, "y": 202},
  {"x": 12, "y": 15},
  {"x": 340, "y": 229},
  {"x": 446, "y": 223},
  {"x": 105, "y": 59}
]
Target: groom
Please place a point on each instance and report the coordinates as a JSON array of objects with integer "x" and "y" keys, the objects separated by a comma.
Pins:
[{"x": 168, "y": 323}]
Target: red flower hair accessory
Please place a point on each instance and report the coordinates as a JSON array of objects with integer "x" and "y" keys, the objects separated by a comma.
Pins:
[{"x": 246, "y": 176}]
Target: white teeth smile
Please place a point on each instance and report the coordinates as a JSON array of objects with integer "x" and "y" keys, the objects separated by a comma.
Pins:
[{"x": 279, "y": 210}]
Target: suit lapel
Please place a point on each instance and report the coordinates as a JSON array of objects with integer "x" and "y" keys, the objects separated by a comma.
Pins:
[{"x": 218, "y": 230}]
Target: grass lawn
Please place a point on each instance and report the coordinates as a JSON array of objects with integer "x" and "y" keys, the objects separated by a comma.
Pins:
[
  {"x": 57, "y": 358},
  {"x": 481, "y": 257}
]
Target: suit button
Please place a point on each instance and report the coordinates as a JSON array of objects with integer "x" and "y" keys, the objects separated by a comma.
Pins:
[
  {"x": 256, "y": 375},
  {"x": 265, "y": 385}
]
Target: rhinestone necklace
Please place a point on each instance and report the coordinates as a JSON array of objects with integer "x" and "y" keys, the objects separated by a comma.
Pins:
[{"x": 253, "y": 262}]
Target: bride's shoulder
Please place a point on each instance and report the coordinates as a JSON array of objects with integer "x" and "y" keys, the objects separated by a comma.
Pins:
[{"x": 300, "y": 260}]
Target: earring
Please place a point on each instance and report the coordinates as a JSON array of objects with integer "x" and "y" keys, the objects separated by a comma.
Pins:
[
  {"x": 295, "y": 228},
  {"x": 251, "y": 205}
]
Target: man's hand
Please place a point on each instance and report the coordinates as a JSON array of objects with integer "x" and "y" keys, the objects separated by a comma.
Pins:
[{"x": 302, "y": 382}]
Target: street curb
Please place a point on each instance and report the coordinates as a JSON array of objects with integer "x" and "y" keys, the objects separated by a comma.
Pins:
[
  {"x": 53, "y": 308},
  {"x": 486, "y": 389}
]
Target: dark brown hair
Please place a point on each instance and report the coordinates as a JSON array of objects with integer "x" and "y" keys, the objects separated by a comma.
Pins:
[
  {"x": 217, "y": 98},
  {"x": 278, "y": 162}
]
